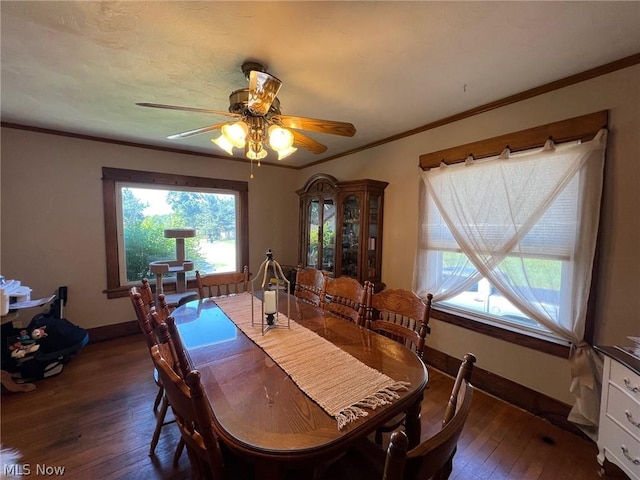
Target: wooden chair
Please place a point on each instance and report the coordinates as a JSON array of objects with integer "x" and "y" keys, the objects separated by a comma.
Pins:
[
  {"x": 432, "y": 459},
  {"x": 404, "y": 317},
  {"x": 400, "y": 315},
  {"x": 141, "y": 308},
  {"x": 195, "y": 420},
  {"x": 218, "y": 284},
  {"x": 345, "y": 297},
  {"x": 309, "y": 285},
  {"x": 147, "y": 293},
  {"x": 160, "y": 405}
]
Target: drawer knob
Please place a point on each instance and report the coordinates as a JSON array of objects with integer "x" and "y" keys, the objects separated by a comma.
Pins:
[
  {"x": 627, "y": 384},
  {"x": 630, "y": 419}
]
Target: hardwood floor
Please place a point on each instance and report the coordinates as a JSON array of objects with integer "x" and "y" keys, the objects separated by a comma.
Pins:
[{"x": 95, "y": 420}]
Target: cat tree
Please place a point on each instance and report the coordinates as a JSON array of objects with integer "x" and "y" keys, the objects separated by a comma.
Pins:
[{"x": 179, "y": 266}]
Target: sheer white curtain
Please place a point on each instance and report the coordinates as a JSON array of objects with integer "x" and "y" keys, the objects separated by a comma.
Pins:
[{"x": 535, "y": 204}]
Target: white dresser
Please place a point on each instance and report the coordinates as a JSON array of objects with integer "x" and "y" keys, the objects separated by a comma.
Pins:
[{"x": 619, "y": 434}]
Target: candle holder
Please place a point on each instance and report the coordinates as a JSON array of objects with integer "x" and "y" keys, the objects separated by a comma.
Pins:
[{"x": 272, "y": 276}]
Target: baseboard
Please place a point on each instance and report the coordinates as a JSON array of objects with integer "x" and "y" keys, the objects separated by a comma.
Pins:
[
  {"x": 534, "y": 402},
  {"x": 110, "y": 332}
]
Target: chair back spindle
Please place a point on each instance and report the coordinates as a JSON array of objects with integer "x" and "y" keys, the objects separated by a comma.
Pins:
[
  {"x": 309, "y": 285},
  {"x": 400, "y": 315},
  {"x": 345, "y": 297}
]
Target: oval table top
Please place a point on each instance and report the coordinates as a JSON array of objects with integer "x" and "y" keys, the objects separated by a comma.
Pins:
[{"x": 259, "y": 410}]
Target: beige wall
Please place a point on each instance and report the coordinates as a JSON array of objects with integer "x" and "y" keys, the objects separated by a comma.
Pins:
[
  {"x": 618, "y": 294},
  {"x": 52, "y": 220}
]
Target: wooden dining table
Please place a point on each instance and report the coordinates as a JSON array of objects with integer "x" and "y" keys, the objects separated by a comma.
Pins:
[{"x": 262, "y": 415}]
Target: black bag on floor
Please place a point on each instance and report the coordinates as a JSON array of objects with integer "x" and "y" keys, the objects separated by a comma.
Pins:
[
  {"x": 62, "y": 341},
  {"x": 59, "y": 342}
]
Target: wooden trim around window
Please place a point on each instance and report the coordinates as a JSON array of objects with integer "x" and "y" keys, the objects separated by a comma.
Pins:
[
  {"x": 112, "y": 175},
  {"x": 510, "y": 336},
  {"x": 582, "y": 128}
]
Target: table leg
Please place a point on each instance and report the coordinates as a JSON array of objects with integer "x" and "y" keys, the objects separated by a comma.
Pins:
[{"x": 412, "y": 423}]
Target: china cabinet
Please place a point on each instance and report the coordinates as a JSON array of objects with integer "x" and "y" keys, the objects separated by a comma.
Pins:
[{"x": 341, "y": 227}]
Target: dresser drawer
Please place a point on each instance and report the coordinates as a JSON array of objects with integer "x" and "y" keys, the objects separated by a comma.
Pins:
[
  {"x": 625, "y": 379},
  {"x": 623, "y": 410},
  {"x": 621, "y": 448}
]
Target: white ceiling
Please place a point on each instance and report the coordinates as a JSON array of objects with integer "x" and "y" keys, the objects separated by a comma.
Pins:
[{"x": 387, "y": 67}]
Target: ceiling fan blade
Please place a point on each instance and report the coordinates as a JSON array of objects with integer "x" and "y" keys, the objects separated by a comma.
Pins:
[
  {"x": 316, "y": 125},
  {"x": 198, "y": 131},
  {"x": 301, "y": 140},
  {"x": 263, "y": 89},
  {"x": 188, "y": 109}
]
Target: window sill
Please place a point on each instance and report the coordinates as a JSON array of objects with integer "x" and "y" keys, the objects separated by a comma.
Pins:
[{"x": 539, "y": 344}]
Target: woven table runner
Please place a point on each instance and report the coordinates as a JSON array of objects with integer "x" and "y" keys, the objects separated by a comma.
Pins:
[{"x": 341, "y": 384}]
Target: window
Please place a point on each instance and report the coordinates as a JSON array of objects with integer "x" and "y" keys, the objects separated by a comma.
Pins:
[
  {"x": 139, "y": 206},
  {"x": 508, "y": 242}
]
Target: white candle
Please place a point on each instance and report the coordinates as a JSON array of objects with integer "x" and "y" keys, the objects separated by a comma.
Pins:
[{"x": 269, "y": 301}]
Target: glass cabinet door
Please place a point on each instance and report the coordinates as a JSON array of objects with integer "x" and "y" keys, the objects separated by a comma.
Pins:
[
  {"x": 328, "y": 236},
  {"x": 321, "y": 234},
  {"x": 313, "y": 241},
  {"x": 373, "y": 240},
  {"x": 350, "y": 236}
]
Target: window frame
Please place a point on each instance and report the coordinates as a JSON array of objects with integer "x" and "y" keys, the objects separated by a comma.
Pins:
[
  {"x": 583, "y": 128},
  {"x": 112, "y": 176}
]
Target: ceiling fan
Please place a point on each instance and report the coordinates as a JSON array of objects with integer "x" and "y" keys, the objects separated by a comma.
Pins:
[{"x": 258, "y": 121}]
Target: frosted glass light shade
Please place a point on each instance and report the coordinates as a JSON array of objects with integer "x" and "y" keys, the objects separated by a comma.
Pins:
[
  {"x": 280, "y": 138},
  {"x": 235, "y": 133},
  {"x": 224, "y": 144},
  {"x": 254, "y": 151},
  {"x": 285, "y": 153}
]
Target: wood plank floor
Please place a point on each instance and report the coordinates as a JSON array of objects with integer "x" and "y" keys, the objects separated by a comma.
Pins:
[{"x": 95, "y": 420}]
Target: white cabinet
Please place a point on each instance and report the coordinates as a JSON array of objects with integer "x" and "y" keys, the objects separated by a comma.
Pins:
[{"x": 619, "y": 433}]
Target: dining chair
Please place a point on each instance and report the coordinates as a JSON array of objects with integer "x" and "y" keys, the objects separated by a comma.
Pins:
[
  {"x": 401, "y": 316},
  {"x": 345, "y": 297},
  {"x": 160, "y": 404},
  {"x": 193, "y": 416},
  {"x": 309, "y": 285},
  {"x": 148, "y": 297},
  {"x": 141, "y": 309},
  {"x": 431, "y": 459},
  {"x": 172, "y": 348},
  {"x": 218, "y": 284},
  {"x": 170, "y": 336}
]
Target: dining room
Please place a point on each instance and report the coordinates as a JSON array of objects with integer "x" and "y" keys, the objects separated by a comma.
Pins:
[{"x": 62, "y": 218}]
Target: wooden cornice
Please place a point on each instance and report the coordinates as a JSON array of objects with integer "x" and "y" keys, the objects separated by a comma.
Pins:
[{"x": 582, "y": 128}]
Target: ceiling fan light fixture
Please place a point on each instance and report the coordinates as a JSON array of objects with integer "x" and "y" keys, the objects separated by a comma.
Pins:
[
  {"x": 224, "y": 144},
  {"x": 254, "y": 151},
  {"x": 235, "y": 133},
  {"x": 280, "y": 138},
  {"x": 285, "y": 153}
]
